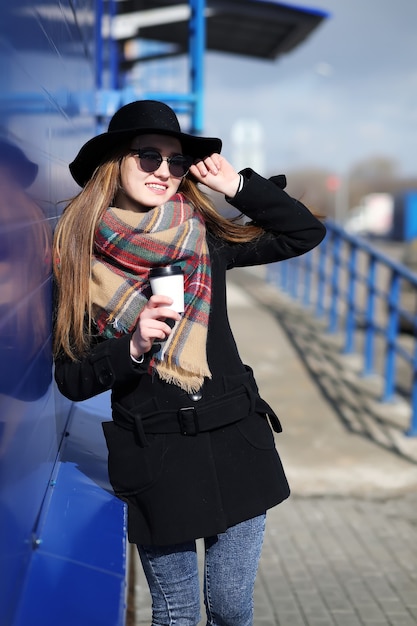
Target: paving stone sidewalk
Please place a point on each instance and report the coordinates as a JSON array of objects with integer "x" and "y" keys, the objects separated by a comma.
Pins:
[{"x": 343, "y": 549}]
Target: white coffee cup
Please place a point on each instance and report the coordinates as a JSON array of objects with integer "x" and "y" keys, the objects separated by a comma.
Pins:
[{"x": 169, "y": 281}]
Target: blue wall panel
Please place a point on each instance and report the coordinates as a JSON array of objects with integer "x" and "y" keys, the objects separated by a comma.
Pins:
[
  {"x": 46, "y": 59},
  {"x": 76, "y": 575}
]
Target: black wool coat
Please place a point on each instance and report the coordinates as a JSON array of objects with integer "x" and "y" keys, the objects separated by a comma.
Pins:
[{"x": 191, "y": 466}]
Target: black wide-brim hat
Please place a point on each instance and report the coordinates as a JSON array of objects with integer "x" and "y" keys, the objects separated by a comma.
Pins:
[{"x": 138, "y": 118}]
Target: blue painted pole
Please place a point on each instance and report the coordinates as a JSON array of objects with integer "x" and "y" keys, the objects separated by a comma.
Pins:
[
  {"x": 322, "y": 275},
  {"x": 99, "y": 45},
  {"x": 98, "y": 58},
  {"x": 308, "y": 270},
  {"x": 369, "y": 346},
  {"x": 351, "y": 300},
  {"x": 197, "y": 48},
  {"x": 113, "y": 50},
  {"x": 294, "y": 279},
  {"x": 283, "y": 275},
  {"x": 391, "y": 334},
  {"x": 412, "y": 431},
  {"x": 334, "y": 286}
]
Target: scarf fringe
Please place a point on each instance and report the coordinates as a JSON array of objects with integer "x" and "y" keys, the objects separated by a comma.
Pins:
[{"x": 190, "y": 383}]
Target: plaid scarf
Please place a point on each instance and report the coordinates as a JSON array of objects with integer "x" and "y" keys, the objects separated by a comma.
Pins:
[{"x": 127, "y": 245}]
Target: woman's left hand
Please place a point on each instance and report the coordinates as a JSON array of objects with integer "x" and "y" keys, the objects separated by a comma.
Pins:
[{"x": 217, "y": 174}]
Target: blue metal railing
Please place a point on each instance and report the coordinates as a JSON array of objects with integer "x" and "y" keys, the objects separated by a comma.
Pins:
[{"x": 368, "y": 297}]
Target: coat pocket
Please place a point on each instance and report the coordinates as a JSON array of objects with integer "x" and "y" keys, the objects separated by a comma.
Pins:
[
  {"x": 132, "y": 468},
  {"x": 256, "y": 430}
]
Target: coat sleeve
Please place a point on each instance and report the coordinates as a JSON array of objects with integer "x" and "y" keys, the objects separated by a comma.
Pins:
[
  {"x": 108, "y": 363},
  {"x": 290, "y": 228}
]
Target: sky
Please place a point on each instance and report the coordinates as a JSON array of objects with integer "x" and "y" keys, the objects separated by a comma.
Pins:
[{"x": 346, "y": 94}]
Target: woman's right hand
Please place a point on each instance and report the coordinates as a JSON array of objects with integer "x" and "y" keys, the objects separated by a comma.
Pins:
[
  {"x": 217, "y": 174},
  {"x": 151, "y": 325}
]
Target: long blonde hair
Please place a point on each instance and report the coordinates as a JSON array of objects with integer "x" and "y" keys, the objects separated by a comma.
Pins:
[
  {"x": 74, "y": 243},
  {"x": 26, "y": 243}
]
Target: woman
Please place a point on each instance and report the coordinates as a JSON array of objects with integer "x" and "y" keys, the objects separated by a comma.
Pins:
[{"x": 191, "y": 450}]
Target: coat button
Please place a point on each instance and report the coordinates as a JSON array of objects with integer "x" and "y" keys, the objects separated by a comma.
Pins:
[
  {"x": 195, "y": 397},
  {"x": 105, "y": 378}
]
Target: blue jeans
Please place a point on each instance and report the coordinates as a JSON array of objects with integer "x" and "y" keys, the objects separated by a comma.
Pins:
[{"x": 231, "y": 563}]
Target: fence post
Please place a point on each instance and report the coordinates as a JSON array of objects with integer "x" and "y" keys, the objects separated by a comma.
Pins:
[
  {"x": 308, "y": 270},
  {"x": 351, "y": 295},
  {"x": 369, "y": 350},
  {"x": 334, "y": 285},
  {"x": 321, "y": 276},
  {"x": 391, "y": 333},
  {"x": 412, "y": 431}
]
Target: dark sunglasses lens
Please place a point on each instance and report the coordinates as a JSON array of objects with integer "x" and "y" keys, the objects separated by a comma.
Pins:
[
  {"x": 179, "y": 166},
  {"x": 150, "y": 161}
]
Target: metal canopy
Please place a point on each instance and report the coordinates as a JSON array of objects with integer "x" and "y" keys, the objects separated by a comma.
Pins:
[
  {"x": 155, "y": 29},
  {"x": 245, "y": 27}
]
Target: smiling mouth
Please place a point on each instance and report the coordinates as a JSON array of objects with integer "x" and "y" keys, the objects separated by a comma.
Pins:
[{"x": 157, "y": 186}]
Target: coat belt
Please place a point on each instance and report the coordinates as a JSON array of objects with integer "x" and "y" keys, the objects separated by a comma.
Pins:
[{"x": 149, "y": 418}]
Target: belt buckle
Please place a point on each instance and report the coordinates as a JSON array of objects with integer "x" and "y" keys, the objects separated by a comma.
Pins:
[{"x": 188, "y": 420}]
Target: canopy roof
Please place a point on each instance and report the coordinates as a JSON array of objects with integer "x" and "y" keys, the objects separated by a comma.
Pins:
[{"x": 253, "y": 28}]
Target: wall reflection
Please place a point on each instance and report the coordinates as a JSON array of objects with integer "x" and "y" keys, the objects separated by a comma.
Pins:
[
  {"x": 25, "y": 268},
  {"x": 46, "y": 61}
]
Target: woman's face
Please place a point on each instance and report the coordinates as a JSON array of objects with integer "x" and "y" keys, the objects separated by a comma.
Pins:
[{"x": 140, "y": 190}]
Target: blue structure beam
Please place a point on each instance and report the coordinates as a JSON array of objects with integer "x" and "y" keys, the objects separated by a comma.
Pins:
[
  {"x": 197, "y": 48},
  {"x": 263, "y": 29}
]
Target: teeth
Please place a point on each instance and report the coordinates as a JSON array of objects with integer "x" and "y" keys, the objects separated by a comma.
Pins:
[{"x": 155, "y": 186}]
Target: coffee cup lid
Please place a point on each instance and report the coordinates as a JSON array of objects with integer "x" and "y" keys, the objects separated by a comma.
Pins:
[{"x": 168, "y": 270}]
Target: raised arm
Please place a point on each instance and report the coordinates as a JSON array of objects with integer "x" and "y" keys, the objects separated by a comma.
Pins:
[
  {"x": 266, "y": 203},
  {"x": 290, "y": 228}
]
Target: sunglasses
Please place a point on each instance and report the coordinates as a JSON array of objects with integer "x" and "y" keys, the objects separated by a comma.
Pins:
[{"x": 151, "y": 160}]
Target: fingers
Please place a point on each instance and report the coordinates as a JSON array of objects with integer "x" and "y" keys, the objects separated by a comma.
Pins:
[
  {"x": 217, "y": 174},
  {"x": 154, "y": 329},
  {"x": 210, "y": 164},
  {"x": 158, "y": 301},
  {"x": 151, "y": 324},
  {"x": 158, "y": 307}
]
